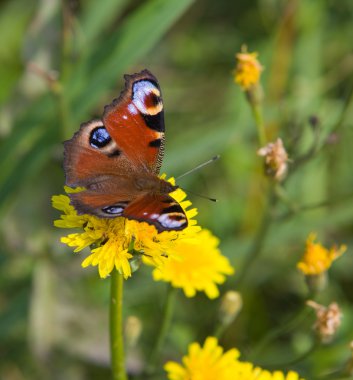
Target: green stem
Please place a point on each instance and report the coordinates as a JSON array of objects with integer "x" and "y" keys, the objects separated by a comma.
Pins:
[
  {"x": 296, "y": 360},
  {"x": 220, "y": 329},
  {"x": 314, "y": 206},
  {"x": 259, "y": 121},
  {"x": 345, "y": 110},
  {"x": 116, "y": 326},
  {"x": 260, "y": 237},
  {"x": 280, "y": 331},
  {"x": 166, "y": 321}
]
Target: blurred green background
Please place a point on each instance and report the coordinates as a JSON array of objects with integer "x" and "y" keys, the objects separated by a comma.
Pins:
[{"x": 62, "y": 61}]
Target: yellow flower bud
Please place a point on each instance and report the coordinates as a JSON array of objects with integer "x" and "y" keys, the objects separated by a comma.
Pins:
[
  {"x": 132, "y": 329},
  {"x": 231, "y": 304}
]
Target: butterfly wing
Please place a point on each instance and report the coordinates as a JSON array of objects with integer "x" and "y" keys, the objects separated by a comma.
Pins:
[
  {"x": 106, "y": 156},
  {"x": 92, "y": 153},
  {"x": 160, "y": 210},
  {"x": 136, "y": 121}
]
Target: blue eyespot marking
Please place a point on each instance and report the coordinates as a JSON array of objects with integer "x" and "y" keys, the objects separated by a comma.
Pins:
[
  {"x": 113, "y": 210},
  {"x": 116, "y": 210},
  {"x": 99, "y": 138}
]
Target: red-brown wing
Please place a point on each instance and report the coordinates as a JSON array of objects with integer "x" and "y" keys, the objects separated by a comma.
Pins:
[
  {"x": 93, "y": 160},
  {"x": 92, "y": 153},
  {"x": 107, "y": 156},
  {"x": 160, "y": 210},
  {"x": 106, "y": 197},
  {"x": 135, "y": 121}
]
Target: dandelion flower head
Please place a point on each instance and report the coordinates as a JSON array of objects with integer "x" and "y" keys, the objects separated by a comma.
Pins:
[
  {"x": 211, "y": 362},
  {"x": 196, "y": 265},
  {"x": 248, "y": 69},
  {"x": 116, "y": 243},
  {"x": 110, "y": 240},
  {"x": 318, "y": 259}
]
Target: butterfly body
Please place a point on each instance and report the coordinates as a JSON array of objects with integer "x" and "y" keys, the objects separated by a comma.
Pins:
[{"x": 117, "y": 160}]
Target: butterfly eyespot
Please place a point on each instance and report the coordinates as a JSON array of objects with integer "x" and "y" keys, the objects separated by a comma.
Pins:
[
  {"x": 99, "y": 137},
  {"x": 113, "y": 210},
  {"x": 172, "y": 222},
  {"x": 147, "y": 97}
]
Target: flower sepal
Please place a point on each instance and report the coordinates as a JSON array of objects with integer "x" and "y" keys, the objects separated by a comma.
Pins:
[
  {"x": 316, "y": 283},
  {"x": 135, "y": 261}
]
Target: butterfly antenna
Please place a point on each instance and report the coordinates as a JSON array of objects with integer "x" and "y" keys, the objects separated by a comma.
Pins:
[
  {"x": 199, "y": 195},
  {"x": 213, "y": 159}
]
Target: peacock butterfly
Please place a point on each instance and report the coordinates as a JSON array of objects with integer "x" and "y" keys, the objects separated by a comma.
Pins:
[{"x": 117, "y": 160}]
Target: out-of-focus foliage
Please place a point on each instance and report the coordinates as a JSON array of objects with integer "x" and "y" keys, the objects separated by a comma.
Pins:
[{"x": 61, "y": 62}]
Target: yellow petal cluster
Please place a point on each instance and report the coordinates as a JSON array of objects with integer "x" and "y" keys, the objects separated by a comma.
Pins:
[
  {"x": 188, "y": 259},
  {"x": 211, "y": 362},
  {"x": 195, "y": 265},
  {"x": 318, "y": 259},
  {"x": 248, "y": 70}
]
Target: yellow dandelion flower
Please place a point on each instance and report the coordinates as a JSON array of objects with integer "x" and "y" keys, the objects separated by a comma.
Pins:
[
  {"x": 318, "y": 259},
  {"x": 195, "y": 265},
  {"x": 206, "y": 363},
  {"x": 247, "y": 371},
  {"x": 248, "y": 69},
  {"x": 210, "y": 362},
  {"x": 116, "y": 242}
]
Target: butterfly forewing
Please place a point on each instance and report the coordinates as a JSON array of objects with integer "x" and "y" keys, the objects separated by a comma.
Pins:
[
  {"x": 92, "y": 153},
  {"x": 136, "y": 121}
]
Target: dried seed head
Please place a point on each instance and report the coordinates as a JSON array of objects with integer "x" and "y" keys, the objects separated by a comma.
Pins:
[
  {"x": 328, "y": 320},
  {"x": 276, "y": 159}
]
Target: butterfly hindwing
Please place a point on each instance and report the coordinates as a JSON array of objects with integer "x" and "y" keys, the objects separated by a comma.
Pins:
[
  {"x": 161, "y": 210},
  {"x": 136, "y": 121}
]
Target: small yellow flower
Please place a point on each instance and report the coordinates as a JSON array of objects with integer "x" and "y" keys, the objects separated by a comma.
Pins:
[
  {"x": 248, "y": 70},
  {"x": 210, "y": 362},
  {"x": 318, "y": 259},
  {"x": 195, "y": 265},
  {"x": 206, "y": 363}
]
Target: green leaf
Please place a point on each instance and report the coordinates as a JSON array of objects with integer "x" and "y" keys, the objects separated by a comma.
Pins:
[
  {"x": 13, "y": 21},
  {"x": 24, "y": 170},
  {"x": 139, "y": 33},
  {"x": 97, "y": 16}
]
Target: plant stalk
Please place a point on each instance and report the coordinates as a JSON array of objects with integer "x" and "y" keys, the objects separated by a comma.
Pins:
[
  {"x": 166, "y": 321},
  {"x": 261, "y": 234},
  {"x": 116, "y": 326},
  {"x": 259, "y": 121}
]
